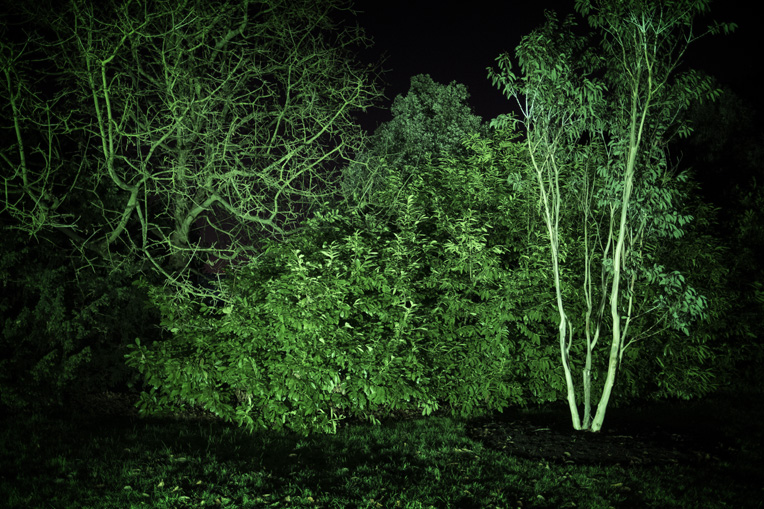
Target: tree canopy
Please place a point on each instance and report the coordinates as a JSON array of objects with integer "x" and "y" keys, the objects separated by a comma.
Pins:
[{"x": 431, "y": 120}]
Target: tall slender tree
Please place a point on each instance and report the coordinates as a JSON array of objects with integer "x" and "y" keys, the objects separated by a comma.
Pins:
[{"x": 597, "y": 123}]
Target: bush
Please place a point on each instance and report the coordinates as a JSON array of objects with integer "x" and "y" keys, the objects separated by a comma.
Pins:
[
  {"x": 370, "y": 310},
  {"x": 63, "y": 329}
]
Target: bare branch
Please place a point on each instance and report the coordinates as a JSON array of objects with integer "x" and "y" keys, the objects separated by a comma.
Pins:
[{"x": 193, "y": 118}]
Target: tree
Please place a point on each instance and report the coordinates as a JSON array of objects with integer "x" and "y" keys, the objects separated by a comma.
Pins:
[
  {"x": 596, "y": 126},
  {"x": 190, "y": 128},
  {"x": 432, "y": 119},
  {"x": 64, "y": 330}
]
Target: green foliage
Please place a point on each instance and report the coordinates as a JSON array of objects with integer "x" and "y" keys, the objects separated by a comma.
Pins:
[
  {"x": 479, "y": 212},
  {"x": 311, "y": 333},
  {"x": 726, "y": 151},
  {"x": 432, "y": 119},
  {"x": 432, "y": 299},
  {"x": 487, "y": 280},
  {"x": 41, "y": 346},
  {"x": 742, "y": 322},
  {"x": 683, "y": 10},
  {"x": 63, "y": 329},
  {"x": 598, "y": 114}
]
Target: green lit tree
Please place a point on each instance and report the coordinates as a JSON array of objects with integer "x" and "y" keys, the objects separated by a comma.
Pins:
[
  {"x": 176, "y": 117},
  {"x": 150, "y": 138},
  {"x": 597, "y": 123},
  {"x": 373, "y": 308},
  {"x": 430, "y": 120}
]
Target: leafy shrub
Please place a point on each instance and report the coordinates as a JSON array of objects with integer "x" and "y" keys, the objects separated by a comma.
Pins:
[
  {"x": 41, "y": 350},
  {"x": 63, "y": 329},
  {"x": 333, "y": 330},
  {"x": 369, "y": 310}
]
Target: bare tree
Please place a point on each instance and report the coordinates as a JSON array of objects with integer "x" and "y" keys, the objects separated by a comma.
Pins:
[{"x": 179, "y": 122}]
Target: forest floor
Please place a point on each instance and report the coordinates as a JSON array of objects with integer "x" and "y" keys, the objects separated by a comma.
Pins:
[
  {"x": 649, "y": 433},
  {"x": 704, "y": 453}
]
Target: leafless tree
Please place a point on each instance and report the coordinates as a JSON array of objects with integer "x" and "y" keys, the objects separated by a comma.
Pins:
[{"x": 175, "y": 122}]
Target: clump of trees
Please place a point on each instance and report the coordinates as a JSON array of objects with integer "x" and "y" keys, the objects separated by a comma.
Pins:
[
  {"x": 369, "y": 309},
  {"x": 426, "y": 266}
]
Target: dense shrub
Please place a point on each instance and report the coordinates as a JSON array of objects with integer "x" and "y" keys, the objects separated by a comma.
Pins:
[
  {"x": 64, "y": 328},
  {"x": 433, "y": 298},
  {"x": 709, "y": 355}
]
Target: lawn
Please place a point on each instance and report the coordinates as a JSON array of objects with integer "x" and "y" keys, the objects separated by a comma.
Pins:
[{"x": 670, "y": 454}]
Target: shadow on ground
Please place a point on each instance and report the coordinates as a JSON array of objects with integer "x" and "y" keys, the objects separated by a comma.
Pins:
[{"x": 706, "y": 432}]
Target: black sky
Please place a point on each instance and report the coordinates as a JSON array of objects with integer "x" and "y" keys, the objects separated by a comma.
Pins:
[{"x": 457, "y": 41}]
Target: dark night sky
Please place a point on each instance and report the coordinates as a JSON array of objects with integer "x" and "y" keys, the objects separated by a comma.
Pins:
[{"x": 460, "y": 41}]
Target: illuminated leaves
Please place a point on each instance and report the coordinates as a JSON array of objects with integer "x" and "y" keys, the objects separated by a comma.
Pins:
[
  {"x": 597, "y": 112},
  {"x": 430, "y": 121}
]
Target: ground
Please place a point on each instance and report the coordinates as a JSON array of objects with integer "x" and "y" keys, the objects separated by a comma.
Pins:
[
  {"x": 654, "y": 433},
  {"x": 698, "y": 432},
  {"x": 628, "y": 438}
]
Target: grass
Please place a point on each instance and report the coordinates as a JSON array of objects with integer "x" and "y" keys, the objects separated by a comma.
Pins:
[{"x": 111, "y": 461}]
